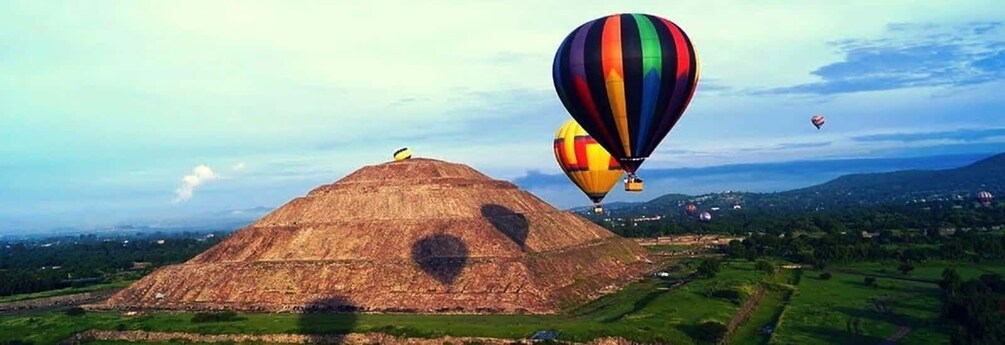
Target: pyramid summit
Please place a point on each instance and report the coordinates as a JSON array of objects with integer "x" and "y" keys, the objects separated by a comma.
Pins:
[{"x": 417, "y": 235}]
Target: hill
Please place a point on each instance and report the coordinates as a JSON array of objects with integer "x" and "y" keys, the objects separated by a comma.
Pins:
[{"x": 891, "y": 188}]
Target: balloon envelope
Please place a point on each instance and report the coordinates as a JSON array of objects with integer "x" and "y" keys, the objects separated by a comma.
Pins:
[
  {"x": 705, "y": 216},
  {"x": 985, "y": 197},
  {"x": 691, "y": 209},
  {"x": 818, "y": 121},
  {"x": 585, "y": 162},
  {"x": 627, "y": 79}
]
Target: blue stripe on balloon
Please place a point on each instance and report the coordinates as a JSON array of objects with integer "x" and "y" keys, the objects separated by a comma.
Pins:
[{"x": 650, "y": 92}]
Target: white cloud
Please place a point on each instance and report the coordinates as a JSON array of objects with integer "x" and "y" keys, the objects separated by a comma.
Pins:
[
  {"x": 200, "y": 175},
  {"x": 238, "y": 167}
]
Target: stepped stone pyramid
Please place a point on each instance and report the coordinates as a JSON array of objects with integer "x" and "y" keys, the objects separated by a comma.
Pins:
[{"x": 419, "y": 235}]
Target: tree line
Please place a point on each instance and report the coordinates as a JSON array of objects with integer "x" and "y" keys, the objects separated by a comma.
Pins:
[{"x": 27, "y": 267}]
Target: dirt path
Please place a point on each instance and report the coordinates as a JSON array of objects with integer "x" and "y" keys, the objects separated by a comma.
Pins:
[
  {"x": 901, "y": 332},
  {"x": 53, "y": 303}
]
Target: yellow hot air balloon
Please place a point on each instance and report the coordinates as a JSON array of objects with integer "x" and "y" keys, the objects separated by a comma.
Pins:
[
  {"x": 402, "y": 154},
  {"x": 586, "y": 163}
]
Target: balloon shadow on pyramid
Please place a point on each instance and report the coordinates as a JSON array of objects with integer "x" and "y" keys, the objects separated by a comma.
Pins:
[
  {"x": 328, "y": 320},
  {"x": 509, "y": 223},
  {"x": 441, "y": 256}
]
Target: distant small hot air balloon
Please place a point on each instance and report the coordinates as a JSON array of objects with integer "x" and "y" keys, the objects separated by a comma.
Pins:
[
  {"x": 818, "y": 120},
  {"x": 690, "y": 209},
  {"x": 985, "y": 198},
  {"x": 585, "y": 162},
  {"x": 402, "y": 154},
  {"x": 705, "y": 216}
]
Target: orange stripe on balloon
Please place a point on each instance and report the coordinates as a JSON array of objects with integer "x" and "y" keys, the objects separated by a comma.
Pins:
[{"x": 614, "y": 71}]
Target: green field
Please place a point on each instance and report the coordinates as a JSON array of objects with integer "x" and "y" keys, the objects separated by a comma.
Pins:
[
  {"x": 67, "y": 291},
  {"x": 931, "y": 270},
  {"x": 669, "y": 248},
  {"x": 804, "y": 310},
  {"x": 823, "y": 311},
  {"x": 641, "y": 312}
]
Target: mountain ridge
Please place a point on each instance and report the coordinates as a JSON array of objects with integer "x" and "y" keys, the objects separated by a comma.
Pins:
[{"x": 862, "y": 189}]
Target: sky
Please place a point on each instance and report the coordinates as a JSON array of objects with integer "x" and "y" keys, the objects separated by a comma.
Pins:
[{"x": 126, "y": 111}]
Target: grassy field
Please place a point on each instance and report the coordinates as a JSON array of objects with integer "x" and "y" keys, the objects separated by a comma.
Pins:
[
  {"x": 931, "y": 270},
  {"x": 644, "y": 311},
  {"x": 805, "y": 310},
  {"x": 669, "y": 248},
  {"x": 823, "y": 311},
  {"x": 67, "y": 291}
]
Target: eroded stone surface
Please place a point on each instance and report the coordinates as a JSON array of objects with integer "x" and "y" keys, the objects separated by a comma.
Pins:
[{"x": 419, "y": 235}]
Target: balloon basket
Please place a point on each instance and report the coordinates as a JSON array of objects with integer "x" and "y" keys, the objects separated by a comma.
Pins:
[
  {"x": 633, "y": 186},
  {"x": 598, "y": 209}
]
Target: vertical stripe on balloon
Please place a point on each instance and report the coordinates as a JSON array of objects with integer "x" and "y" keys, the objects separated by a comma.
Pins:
[
  {"x": 631, "y": 61},
  {"x": 683, "y": 83},
  {"x": 652, "y": 59},
  {"x": 581, "y": 157},
  {"x": 613, "y": 69},
  {"x": 580, "y": 81}
]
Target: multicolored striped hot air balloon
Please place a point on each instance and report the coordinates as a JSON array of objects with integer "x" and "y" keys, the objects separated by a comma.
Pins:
[
  {"x": 627, "y": 79},
  {"x": 586, "y": 163},
  {"x": 818, "y": 121},
  {"x": 985, "y": 198}
]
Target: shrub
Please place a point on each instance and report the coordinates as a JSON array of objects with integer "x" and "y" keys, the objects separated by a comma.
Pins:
[
  {"x": 120, "y": 327},
  {"x": 708, "y": 268},
  {"x": 870, "y": 281},
  {"x": 711, "y": 331},
  {"x": 215, "y": 317},
  {"x": 75, "y": 311},
  {"x": 825, "y": 275},
  {"x": 728, "y": 294},
  {"x": 765, "y": 266}
]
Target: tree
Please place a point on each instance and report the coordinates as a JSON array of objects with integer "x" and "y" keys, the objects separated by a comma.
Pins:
[
  {"x": 825, "y": 276},
  {"x": 951, "y": 281},
  {"x": 711, "y": 331},
  {"x": 736, "y": 249},
  {"x": 764, "y": 266},
  {"x": 870, "y": 281},
  {"x": 708, "y": 268},
  {"x": 906, "y": 268}
]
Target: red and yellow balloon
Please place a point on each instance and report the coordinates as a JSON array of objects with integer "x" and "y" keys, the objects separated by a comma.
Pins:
[{"x": 586, "y": 162}]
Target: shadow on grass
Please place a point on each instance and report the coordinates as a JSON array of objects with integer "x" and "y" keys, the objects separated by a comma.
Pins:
[
  {"x": 328, "y": 320},
  {"x": 639, "y": 304}
]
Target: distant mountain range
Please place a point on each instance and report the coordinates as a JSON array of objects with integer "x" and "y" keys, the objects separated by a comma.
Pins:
[
  {"x": 228, "y": 220},
  {"x": 898, "y": 187}
]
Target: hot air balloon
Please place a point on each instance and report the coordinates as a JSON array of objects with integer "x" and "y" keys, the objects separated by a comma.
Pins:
[
  {"x": 586, "y": 163},
  {"x": 627, "y": 79},
  {"x": 402, "y": 154},
  {"x": 818, "y": 120},
  {"x": 985, "y": 198},
  {"x": 705, "y": 216},
  {"x": 690, "y": 209}
]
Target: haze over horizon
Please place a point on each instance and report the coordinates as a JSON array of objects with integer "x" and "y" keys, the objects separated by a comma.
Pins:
[{"x": 155, "y": 110}]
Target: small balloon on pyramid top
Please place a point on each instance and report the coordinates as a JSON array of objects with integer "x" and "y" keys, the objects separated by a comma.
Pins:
[{"x": 402, "y": 154}]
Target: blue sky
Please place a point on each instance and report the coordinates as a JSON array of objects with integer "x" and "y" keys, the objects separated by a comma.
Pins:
[{"x": 106, "y": 107}]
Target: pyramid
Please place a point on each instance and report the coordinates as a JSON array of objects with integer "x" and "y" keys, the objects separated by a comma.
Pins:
[{"x": 419, "y": 235}]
